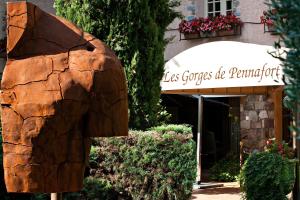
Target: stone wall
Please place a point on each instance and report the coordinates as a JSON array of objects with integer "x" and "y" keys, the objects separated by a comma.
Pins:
[{"x": 257, "y": 121}]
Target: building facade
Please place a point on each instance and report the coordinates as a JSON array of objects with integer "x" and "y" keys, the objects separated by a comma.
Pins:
[
  {"x": 254, "y": 114},
  {"x": 248, "y": 11}
]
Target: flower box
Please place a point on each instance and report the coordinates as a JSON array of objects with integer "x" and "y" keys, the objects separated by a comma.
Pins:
[
  {"x": 234, "y": 30},
  {"x": 267, "y": 21},
  {"x": 210, "y": 27},
  {"x": 226, "y": 32},
  {"x": 270, "y": 28},
  {"x": 190, "y": 36},
  {"x": 207, "y": 34}
]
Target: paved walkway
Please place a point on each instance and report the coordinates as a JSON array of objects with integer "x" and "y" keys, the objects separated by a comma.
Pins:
[{"x": 230, "y": 191}]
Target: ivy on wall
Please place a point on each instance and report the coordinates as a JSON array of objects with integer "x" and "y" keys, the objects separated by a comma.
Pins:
[{"x": 135, "y": 31}]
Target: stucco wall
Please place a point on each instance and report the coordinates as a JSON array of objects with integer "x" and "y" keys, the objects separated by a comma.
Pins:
[{"x": 252, "y": 31}]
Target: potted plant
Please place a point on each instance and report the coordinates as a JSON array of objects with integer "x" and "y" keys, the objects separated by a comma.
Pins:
[
  {"x": 268, "y": 21},
  {"x": 210, "y": 27},
  {"x": 207, "y": 28},
  {"x": 227, "y": 25},
  {"x": 190, "y": 29}
]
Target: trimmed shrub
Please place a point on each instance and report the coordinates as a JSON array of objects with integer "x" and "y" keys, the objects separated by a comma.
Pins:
[
  {"x": 97, "y": 189},
  {"x": 147, "y": 165},
  {"x": 93, "y": 189},
  {"x": 41, "y": 196},
  {"x": 267, "y": 176},
  {"x": 227, "y": 169},
  {"x": 177, "y": 128}
]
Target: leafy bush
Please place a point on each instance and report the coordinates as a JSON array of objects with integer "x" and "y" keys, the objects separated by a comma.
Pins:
[
  {"x": 93, "y": 189},
  {"x": 148, "y": 165},
  {"x": 41, "y": 196},
  {"x": 97, "y": 189},
  {"x": 177, "y": 128},
  {"x": 227, "y": 169},
  {"x": 267, "y": 176},
  {"x": 282, "y": 149}
]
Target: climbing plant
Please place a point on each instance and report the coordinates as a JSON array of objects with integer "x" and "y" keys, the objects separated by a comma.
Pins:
[{"x": 135, "y": 31}]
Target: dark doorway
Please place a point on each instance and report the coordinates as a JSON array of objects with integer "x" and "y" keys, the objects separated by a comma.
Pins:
[
  {"x": 220, "y": 134},
  {"x": 215, "y": 134},
  {"x": 183, "y": 108}
]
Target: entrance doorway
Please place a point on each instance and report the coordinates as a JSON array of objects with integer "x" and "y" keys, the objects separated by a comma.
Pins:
[{"x": 220, "y": 129}]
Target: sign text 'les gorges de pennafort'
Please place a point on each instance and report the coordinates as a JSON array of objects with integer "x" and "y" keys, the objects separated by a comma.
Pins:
[
  {"x": 223, "y": 64},
  {"x": 218, "y": 77}
]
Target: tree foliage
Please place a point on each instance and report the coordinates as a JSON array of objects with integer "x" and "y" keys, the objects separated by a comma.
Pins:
[
  {"x": 134, "y": 29},
  {"x": 287, "y": 23},
  {"x": 286, "y": 15}
]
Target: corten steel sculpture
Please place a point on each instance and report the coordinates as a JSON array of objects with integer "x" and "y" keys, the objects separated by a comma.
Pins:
[{"x": 60, "y": 87}]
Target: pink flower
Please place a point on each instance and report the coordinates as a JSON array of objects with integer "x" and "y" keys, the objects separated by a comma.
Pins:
[
  {"x": 266, "y": 18},
  {"x": 217, "y": 23},
  {"x": 269, "y": 142}
]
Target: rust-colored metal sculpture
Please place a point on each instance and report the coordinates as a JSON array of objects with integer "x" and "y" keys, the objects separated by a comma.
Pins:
[{"x": 60, "y": 87}]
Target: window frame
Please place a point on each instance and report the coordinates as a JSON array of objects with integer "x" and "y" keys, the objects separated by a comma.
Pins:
[{"x": 223, "y": 4}]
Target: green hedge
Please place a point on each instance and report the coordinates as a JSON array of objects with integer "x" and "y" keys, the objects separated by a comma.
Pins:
[
  {"x": 94, "y": 189},
  {"x": 267, "y": 176},
  {"x": 147, "y": 165},
  {"x": 175, "y": 128}
]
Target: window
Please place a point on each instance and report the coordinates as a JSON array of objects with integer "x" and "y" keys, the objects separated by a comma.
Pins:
[
  {"x": 228, "y": 7},
  {"x": 218, "y": 7}
]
